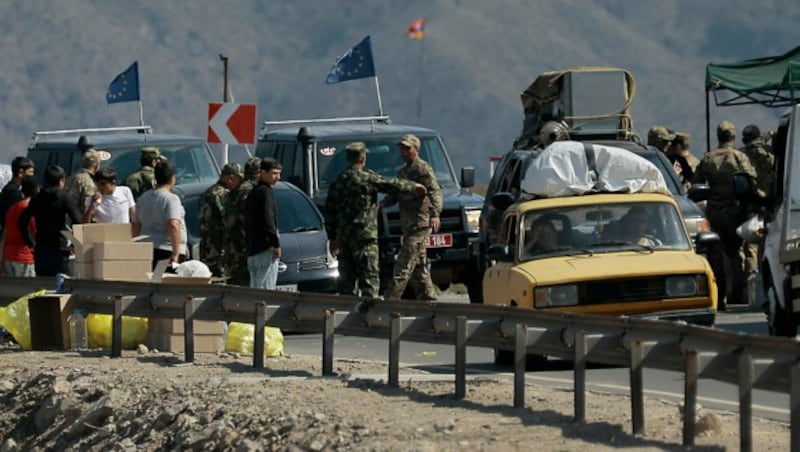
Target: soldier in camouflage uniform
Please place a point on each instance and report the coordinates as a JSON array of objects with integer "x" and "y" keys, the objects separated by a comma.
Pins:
[
  {"x": 760, "y": 155},
  {"x": 144, "y": 179},
  {"x": 724, "y": 213},
  {"x": 80, "y": 186},
  {"x": 210, "y": 219},
  {"x": 351, "y": 221},
  {"x": 660, "y": 137},
  {"x": 418, "y": 216},
  {"x": 682, "y": 159},
  {"x": 234, "y": 236}
]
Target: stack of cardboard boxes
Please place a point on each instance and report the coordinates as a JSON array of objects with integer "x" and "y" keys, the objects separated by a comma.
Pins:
[{"x": 107, "y": 252}]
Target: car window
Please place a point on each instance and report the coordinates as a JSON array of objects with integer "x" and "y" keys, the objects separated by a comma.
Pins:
[
  {"x": 602, "y": 228},
  {"x": 384, "y": 158},
  {"x": 296, "y": 213},
  {"x": 192, "y": 162}
]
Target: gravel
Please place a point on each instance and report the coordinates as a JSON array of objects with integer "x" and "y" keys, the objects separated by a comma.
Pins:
[{"x": 149, "y": 400}]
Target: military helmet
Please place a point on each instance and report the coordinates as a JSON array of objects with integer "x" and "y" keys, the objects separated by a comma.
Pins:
[{"x": 552, "y": 131}]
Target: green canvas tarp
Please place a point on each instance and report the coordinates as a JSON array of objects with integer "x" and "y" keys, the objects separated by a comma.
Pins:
[{"x": 771, "y": 81}]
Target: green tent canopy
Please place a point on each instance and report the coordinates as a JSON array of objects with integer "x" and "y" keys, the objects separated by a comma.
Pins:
[{"x": 771, "y": 81}]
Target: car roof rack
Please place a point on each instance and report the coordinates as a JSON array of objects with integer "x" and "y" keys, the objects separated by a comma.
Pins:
[
  {"x": 47, "y": 133},
  {"x": 370, "y": 119}
]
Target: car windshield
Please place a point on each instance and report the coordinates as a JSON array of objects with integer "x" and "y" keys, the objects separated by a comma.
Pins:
[
  {"x": 296, "y": 213},
  {"x": 640, "y": 226},
  {"x": 193, "y": 162},
  {"x": 384, "y": 158}
]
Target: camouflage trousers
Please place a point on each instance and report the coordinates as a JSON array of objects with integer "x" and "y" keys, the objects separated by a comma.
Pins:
[
  {"x": 236, "y": 269},
  {"x": 411, "y": 268},
  {"x": 727, "y": 261},
  {"x": 358, "y": 269},
  {"x": 211, "y": 256}
]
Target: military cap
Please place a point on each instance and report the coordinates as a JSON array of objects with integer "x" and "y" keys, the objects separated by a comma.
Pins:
[
  {"x": 91, "y": 156},
  {"x": 409, "y": 140},
  {"x": 252, "y": 168},
  {"x": 233, "y": 169},
  {"x": 727, "y": 127},
  {"x": 356, "y": 148},
  {"x": 151, "y": 152},
  {"x": 683, "y": 138},
  {"x": 750, "y": 133},
  {"x": 659, "y": 133}
]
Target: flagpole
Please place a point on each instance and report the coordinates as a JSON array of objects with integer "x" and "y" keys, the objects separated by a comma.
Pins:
[
  {"x": 420, "y": 80},
  {"x": 141, "y": 114},
  {"x": 380, "y": 102}
]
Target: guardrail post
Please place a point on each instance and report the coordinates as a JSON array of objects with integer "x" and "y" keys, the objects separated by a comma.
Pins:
[
  {"x": 188, "y": 328},
  {"x": 327, "y": 342},
  {"x": 461, "y": 356},
  {"x": 795, "y": 408},
  {"x": 520, "y": 359},
  {"x": 116, "y": 328},
  {"x": 745, "y": 402},
  {"x": 580, "y": 375},
  {"x": 690, "y": 397},
  {"x": 637, "y": 388},
  {"x": 258, "y": 340},
  {"x": 394, "y": 349}
]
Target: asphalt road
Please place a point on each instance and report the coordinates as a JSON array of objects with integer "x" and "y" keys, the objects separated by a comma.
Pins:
[{"x": 658, "y": 384}]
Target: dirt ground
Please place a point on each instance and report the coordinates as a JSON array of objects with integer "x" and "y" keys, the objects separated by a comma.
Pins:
[{"x": 154, "y": 401}]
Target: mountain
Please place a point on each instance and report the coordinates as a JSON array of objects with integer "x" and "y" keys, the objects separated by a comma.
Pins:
[{"x": 477, "y": 57}]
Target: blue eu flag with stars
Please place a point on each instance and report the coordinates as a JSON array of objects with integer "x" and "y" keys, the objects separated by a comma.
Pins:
[
  {"x": 355, "y": 63},
  {"x": 125, "y": 86}
]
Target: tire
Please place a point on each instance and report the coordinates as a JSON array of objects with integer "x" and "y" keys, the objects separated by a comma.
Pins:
[{"x": 533, "y": 362}]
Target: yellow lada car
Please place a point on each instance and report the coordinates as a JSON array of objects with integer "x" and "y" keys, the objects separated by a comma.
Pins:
[{"x": 602, "y": 254}]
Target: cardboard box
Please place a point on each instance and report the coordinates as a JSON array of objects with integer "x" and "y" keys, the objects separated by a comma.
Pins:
[
  {"x": 122, "y": 270},
  {"x": 130, "y": 251},
  {"x": 175, "y": 326},
  {"x": 203, "y": 343},
  {"x": 49, "y": 318},
  {"x": 83, "y": 270},
  {"x": 84, "y": 236}
]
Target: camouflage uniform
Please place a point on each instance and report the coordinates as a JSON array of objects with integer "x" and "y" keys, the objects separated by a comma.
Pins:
[
  {"x": 210, "y": 219},
  {"x": 351, "y": 218},
  {"x": 141, "y": 181},
  {"x": 416, "y": 213},
  {"x": 80, "y": 187},
  {"x": 234, "y": 237},
  {"x": 725, "y": 215},
  {"x": 252, "y": 169},
  {"x": 764, "y": 163}
]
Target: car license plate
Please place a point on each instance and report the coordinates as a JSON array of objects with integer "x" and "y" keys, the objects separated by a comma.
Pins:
[
  {"x": 440, "y": 241},
  {"x": 287, "y": 288}
]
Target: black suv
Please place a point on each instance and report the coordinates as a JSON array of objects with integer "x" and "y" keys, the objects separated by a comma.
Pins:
[
  {"x": 120, "y": 148},
  {"x": 312, "y": 155}
]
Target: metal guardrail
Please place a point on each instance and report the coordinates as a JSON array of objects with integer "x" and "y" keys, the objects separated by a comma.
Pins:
[{"x": 749, "y": 361}]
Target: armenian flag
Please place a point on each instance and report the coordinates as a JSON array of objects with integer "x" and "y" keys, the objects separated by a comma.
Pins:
[{"x": 417, "y": 29}]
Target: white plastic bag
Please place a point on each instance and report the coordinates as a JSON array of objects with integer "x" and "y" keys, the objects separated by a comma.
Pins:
[{"x": 752, "y": 230}]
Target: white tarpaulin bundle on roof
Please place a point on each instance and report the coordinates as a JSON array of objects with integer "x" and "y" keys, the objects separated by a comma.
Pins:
[
  {"x": 567, "y": 168},
  {"x": 5, "y": 174}
]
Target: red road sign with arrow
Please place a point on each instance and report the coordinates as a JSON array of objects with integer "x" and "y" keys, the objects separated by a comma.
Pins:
[{"x": 231, "y": 123}]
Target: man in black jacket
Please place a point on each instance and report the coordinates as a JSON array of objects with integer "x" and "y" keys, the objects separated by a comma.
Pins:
[
  {"x": 51, "y": 208},
  {"x": 263, "y": 245},
  {"x": 12, "y": 192}
]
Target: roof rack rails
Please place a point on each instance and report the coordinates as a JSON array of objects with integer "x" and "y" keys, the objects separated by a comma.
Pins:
[
  {"x": 44, "y": 133},
  {"x": 371, "y": 119}
]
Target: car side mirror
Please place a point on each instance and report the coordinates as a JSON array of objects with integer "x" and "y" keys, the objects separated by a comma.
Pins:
[
  {"x": 499, "y": 253},
  {"x": 467, "y": 177},
  {"x": 501, "y": 201},
  {"x": 699, "y": 192},
  {"x": 704, "y": 241}
]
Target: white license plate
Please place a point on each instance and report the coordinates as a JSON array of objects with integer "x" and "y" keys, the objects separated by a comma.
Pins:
[
  {"x": 440, "y": 241},
  {"x": 287, "y": 288}
]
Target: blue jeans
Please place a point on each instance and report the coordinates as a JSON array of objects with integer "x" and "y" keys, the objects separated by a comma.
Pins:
[{"x": 263, "y": 269}]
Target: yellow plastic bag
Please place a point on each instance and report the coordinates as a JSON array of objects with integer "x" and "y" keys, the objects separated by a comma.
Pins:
[
  {"x": 241, "y": 339},
  {"x": 16, "y": 320},
  {"x": 98, "y": 326}
]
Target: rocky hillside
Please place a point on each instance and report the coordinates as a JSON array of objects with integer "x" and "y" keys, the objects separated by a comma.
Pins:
[{"x": 59, "y": 57}]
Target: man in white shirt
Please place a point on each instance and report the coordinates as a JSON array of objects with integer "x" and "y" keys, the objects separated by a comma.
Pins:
[{"x": 110, "y": 203}]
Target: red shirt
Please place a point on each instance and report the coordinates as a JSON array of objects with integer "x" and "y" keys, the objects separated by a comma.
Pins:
[{"x": 16, "y": 250}]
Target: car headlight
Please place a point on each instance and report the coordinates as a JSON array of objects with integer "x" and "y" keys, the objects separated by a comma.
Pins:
[
  {"x": 473, "y": 220},
  {"x": 552, "y": 296},
  {"x": 686, "y": 286},
  {"x": 697, "y": 224}
]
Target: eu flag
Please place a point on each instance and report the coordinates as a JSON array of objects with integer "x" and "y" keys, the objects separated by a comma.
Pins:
[
  {"x": 125, "y": 86},
  {"x": 355, "y": 63}
]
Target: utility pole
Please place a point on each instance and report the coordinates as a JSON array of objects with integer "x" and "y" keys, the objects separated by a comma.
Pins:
[{"x": 224, "y": 60}]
